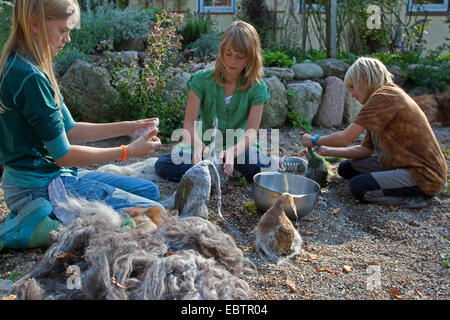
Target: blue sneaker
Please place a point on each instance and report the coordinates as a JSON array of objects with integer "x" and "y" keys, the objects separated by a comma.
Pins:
[{"x": 30, "y": 228}]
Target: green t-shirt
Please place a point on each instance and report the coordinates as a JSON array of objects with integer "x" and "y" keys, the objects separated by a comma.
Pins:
[
  {"x": 32, "y": 130},
  {"x": 230, "y": 116}
]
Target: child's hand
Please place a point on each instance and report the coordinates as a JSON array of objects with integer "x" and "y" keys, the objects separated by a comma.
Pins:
[
  {"x": 140, "y": 127},
  {"x": 306, "y": 140},
  {"x": 145, "y": 145},
  {"x": 228, "y": 161}
]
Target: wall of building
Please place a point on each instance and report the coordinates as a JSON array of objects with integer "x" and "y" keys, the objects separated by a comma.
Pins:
[{"x": 435, "y": 36}]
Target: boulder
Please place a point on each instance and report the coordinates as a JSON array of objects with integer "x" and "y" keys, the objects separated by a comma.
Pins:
[
  {"x": 275, "y": 110},
  {"x": 281, "y": 73},
  {"x": 306, "y": 97},
  {"x": 333, "y": 67},
  {"x": 87, "y": 91},
  {"x": 351, "y": 108},
  {"x": 331, "y": 109},
  {"x": 304, "y": 71}
]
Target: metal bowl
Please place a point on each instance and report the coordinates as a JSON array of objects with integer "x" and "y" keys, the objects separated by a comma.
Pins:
[{"x": 269, "y": 186}]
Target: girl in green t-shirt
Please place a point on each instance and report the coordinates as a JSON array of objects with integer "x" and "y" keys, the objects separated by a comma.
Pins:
[{"x": 234, "y": 93}]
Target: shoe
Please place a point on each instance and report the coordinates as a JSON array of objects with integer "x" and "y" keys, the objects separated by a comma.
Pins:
[
  {"x": 293, "y": 164},
  {"x": 30, "y": 228}
]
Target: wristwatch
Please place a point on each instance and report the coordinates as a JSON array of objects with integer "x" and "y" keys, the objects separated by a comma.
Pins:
[{"x": 314, "y": 139}]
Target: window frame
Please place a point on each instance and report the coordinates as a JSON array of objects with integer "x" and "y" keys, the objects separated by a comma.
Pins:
[
  {"x": 216, "y": 9},
  {"x": 431, "y": 7}
]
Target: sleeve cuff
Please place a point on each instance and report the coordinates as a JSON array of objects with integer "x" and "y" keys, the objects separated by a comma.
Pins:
[{"x": 59, "y": 146}]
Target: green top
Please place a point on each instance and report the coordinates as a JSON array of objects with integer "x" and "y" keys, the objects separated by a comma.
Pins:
[
  {"x": 32, "y": 129},
  {"x": 231, "y": 116}
]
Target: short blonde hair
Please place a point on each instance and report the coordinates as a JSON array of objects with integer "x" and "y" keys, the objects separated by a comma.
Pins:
[
  {"x": 244, "y": 39},
  {"x": 36, "y": 47},
  {"x": 368, "y": 75}
]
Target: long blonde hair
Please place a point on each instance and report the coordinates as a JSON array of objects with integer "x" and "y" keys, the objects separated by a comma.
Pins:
[
  {"x": 35, "y": 47},
  {"x": 244, "y": 39},
  {"x": 368, "y": 75}
]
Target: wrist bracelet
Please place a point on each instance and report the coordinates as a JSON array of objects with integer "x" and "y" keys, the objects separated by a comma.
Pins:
[
  {"x": 124, "y": 155},
  {"x": 314, "y": 139}
]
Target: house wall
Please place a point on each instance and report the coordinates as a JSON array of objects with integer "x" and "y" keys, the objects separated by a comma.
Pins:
[{"x": 436, "y": 34}]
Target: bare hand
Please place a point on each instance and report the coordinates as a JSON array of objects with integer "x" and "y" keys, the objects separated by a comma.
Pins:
[
  {"x": 306, "y": 140},
  {"x": 145, "y": 145},
  {"x": 140, "y": 127},
  {"x": 228, "y": 161}
]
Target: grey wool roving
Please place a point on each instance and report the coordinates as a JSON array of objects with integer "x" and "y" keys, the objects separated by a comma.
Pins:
[{"x": 94, "y": 258}]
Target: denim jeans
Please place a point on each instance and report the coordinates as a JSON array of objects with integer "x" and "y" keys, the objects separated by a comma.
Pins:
[
  {"x": 248, "y": 164},
  {"x": 118, "y": 191}
]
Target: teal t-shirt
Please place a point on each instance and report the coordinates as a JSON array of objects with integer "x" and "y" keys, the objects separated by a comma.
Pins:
[
  {"x": 32, "y": 127},
  {"x": 233, "y": 115}
]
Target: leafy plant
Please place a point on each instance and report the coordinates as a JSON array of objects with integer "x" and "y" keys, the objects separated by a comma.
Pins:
[
  {"x": 251, "y": 207},
  {"x": 206, "y": 47},
  {"x": 5, "y": 21},
  {"x": 433, "y": 77},
  {"x": 277, "y": 59},
  {"x": 296, "y": 119},
  {"x": 144, "y": 92},
  {"x": 193, "y": 27},
  {"x": 109, "y": 23}
]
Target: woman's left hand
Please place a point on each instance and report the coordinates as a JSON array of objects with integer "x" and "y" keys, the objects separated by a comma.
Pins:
[
  {"x": 139, "y": 127},
  {"x": 228, "y": 161}
]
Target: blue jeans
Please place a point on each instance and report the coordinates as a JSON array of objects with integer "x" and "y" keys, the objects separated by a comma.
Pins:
[
  {"x": 248, "y": 164},
  {"x": 118, "y": 191}
]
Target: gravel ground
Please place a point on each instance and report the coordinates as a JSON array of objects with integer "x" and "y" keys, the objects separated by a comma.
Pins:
[{"x": 350, "y": 250}]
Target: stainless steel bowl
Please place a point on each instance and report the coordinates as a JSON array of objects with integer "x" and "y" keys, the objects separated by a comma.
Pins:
[{"x": 268, "y": 187}]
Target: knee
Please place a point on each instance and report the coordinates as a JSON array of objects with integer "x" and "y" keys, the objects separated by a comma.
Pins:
[
  {"x": 346, "y": 171},
  {"x": 162, "y": 163},
  {"x": 361, "y": 184}
]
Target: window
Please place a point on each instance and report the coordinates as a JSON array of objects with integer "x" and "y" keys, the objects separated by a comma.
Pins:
[
  {"x": 428, "y": 5},
  {"x": 311, "y": 5},
  {"x": 217, "y": 6}
]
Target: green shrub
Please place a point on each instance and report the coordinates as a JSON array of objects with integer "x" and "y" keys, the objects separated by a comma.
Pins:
[
  {"x": 144, "y": 92},
  {"x": 206, "y": 47},
  {"x": 105, "y": 23},
  {"x": 63, "y": 61},
  {"x": 5, "y": 21},
  {"x": 193, "y": 27},
  {"x": 433, "y": 77},
  {"x": 277, "y": 59}
]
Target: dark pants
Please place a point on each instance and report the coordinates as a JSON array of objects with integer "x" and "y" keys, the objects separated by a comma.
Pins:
[
  {"x": 369, "y": 182},
  {"x": 247, "y": 164}
]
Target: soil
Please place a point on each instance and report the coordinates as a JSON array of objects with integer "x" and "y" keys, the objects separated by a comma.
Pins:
[{"x": 350, "y": 250}]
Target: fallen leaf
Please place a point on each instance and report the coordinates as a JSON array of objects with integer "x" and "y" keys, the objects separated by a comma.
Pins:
[
  {"x": 290, "y": 283},
  {"x": 347, "y": 269},
  {"x": 336, "y": 211},
  {"x": 312, "y": 219},
  {"x": 114, "y": 280},
  {"x": 167, "y": 254},
  {"x": 312, "y": 256},
  {"x": 392, "y": 207},
  {"x": 412, "y": 223},
  {"x": 395, "y": 293},
  {"x": 327, "y": 270},
  {"x": 308, "y": 233}
]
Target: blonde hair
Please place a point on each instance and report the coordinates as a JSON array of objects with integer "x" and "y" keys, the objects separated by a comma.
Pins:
[
  {"x": 35, "y": 46},
  {"x": 244, "y": 39},
  {"x": 368, "y": 75}
]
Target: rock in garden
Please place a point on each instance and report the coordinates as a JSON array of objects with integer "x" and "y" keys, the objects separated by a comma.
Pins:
[
  {"x": 331, "y": 109},
  {"x": 306, "y": 97},
  {"x": 87, "y": 91},
  {"x": 281, "y": 73},
  {"x": 333, "y": 67},
  {"x": 351, "y": 108},
  {"x": 304, "y": 71},
  {"x": 275, "y": 110}
]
